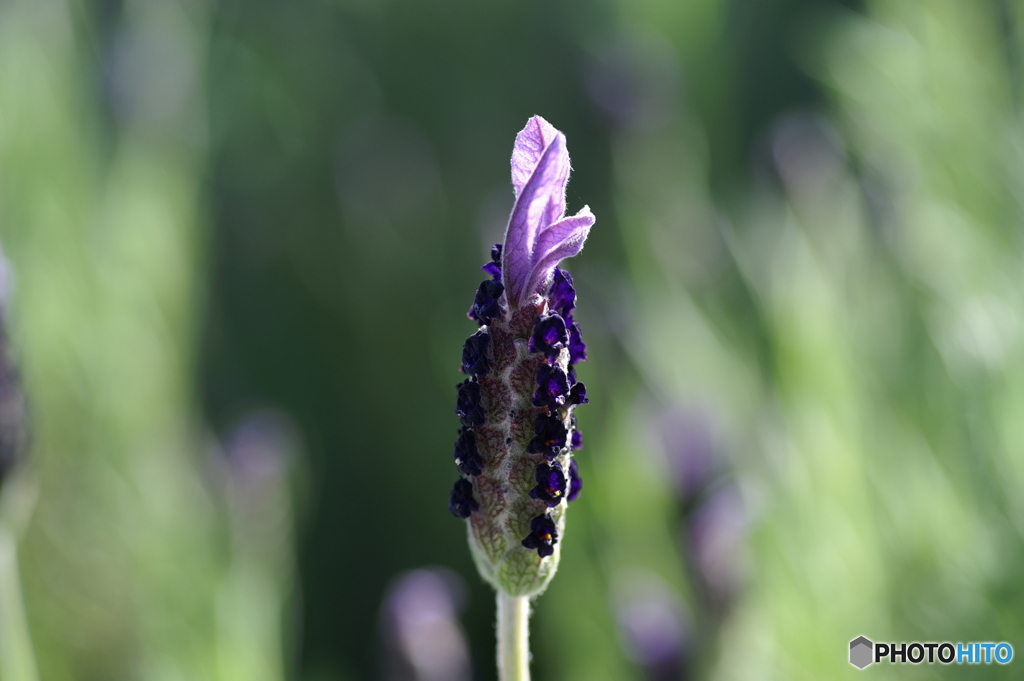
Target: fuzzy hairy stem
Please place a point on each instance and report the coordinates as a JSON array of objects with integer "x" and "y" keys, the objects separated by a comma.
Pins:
[{"x": 513, "y": 637}]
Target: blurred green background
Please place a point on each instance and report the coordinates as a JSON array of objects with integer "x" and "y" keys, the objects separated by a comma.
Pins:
[{"x": 242, "y": 237}]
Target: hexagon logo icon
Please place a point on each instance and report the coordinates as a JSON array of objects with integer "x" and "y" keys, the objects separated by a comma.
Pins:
[{"x": 860, "y": 652}]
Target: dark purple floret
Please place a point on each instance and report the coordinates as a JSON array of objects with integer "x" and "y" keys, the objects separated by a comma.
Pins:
[
  {"x": 563, "y": 296},
  {"x": 552, "y": 387},
  {"x": 467, "y": 405},
  {"x": 467, "y": 456},
  {"x": 493, "y": 268},
  {"x": 549, "y": 335},
  {"x": 576, "y": 441},
  {"x": 577, "y": 348},
  {"x": 575, "y": 481},
  {"x": 578, "y": 394},
  {"x": 550, "y": 484},
  {"x": 486, "y": 305},
  {"x": 551, "y": 436},
  {"x": 474, "y": 354},
  {"x": 543, "y": 535},
  {"x": 461, "y": 502}
]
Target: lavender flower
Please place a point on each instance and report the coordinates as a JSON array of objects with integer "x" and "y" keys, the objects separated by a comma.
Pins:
[
  {"x": 519, "y": 430},
  {"x": 654, "y": 625},
  {"x": 423, "y": 638}
]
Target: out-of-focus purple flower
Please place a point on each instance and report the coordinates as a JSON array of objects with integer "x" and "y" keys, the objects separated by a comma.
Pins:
[
  {"x": 689, "y": 436},
  {"x": 420, "y": 626},
  {"x": 259, "y": 448},
  {"x": 652, "y": 624},
  {"x": 712, "y": 509},
  {"x": 539, "y": 234},
  {"x": 714, "y": 537}
]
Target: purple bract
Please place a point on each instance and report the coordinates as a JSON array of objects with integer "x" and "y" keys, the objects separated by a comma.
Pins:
[{"x": 539, "y": 234}]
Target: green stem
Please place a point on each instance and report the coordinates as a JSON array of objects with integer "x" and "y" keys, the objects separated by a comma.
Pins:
[
  {"x": 17, "y": 661},
  {"x": 513, "y": 637}
]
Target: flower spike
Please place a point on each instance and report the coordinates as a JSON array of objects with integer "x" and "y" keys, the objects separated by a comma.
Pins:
[{"x": 517, "y": 407}]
